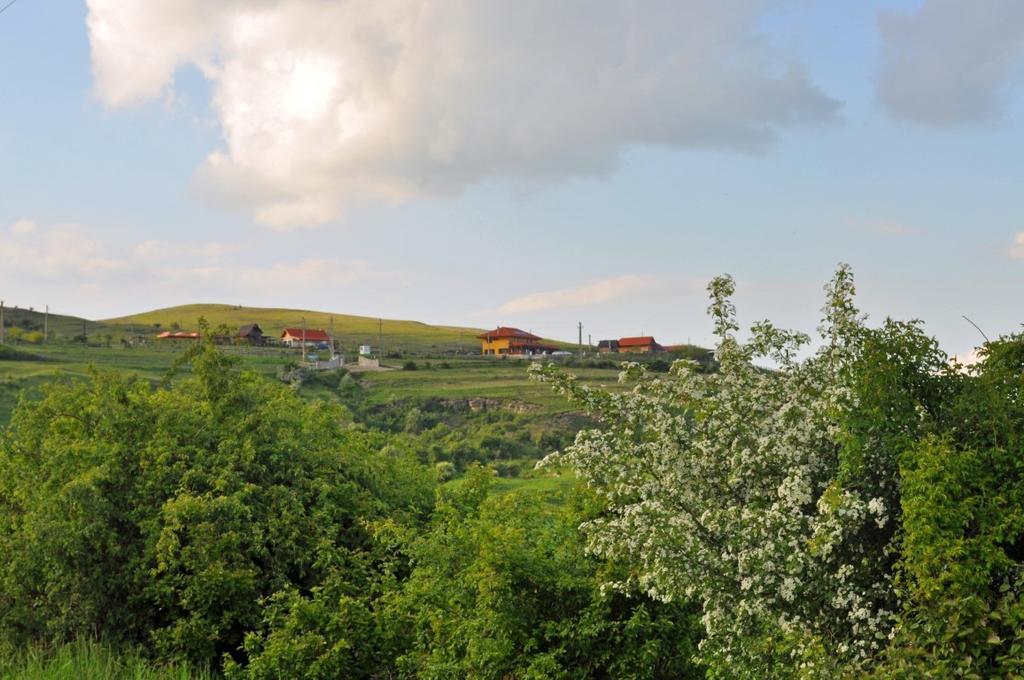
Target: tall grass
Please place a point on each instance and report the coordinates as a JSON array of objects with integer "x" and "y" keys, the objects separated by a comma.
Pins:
[{"x": 91, "y": 660}]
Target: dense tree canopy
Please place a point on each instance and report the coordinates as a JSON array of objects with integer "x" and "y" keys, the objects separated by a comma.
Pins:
[{"x": 168, "y": 516}]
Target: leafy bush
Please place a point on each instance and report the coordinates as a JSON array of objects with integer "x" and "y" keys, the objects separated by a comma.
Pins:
[
  {"x": 501, "y": 589},
  {"x": 498, "y": 588},
  {"x": 168, "y": 516},
  {"x": 409, "y": 366},
  {"x": 855, "y": 512}
]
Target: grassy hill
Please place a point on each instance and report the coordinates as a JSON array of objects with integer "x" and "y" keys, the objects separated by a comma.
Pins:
[
  {"x": 350, "y": 330},
  {"x": 59, "y": 325}
]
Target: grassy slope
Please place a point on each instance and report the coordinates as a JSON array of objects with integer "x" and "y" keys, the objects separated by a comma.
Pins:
[
  {"x": 479, "y": 378},
  {"x": 350, "y": 330},
  {"x": 473, "y": 377},
  {"x": 60, "y": 324}
]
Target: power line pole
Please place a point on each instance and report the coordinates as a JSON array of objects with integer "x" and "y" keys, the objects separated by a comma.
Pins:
[
  {"x": 46, "y": 323},
  {"x": 380, "y": 335},
  {"x": 580, "y": 326},
  {"x": 332, "y": 338},
  {"x": 303, "y": 339},
  {"x": 1, "y": 322}
]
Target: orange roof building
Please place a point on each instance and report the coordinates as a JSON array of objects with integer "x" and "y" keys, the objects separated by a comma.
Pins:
[
  {"x": 294, "y": 337},
  {"x": 505, "y": 340},
  {"x": 181, "y": 335},
  {"x": 642, "y": 344}
]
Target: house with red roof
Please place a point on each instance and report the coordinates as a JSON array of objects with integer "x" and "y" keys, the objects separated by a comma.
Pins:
[
  {"x": 180, "y": 335},
  {"x": 310, "y": 337},
  {"x": 505, "y": 340},
  {"x": 642, "y": 344}
]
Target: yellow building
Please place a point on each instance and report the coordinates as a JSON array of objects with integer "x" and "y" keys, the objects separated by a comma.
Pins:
[{"x": 505, "y": 340}]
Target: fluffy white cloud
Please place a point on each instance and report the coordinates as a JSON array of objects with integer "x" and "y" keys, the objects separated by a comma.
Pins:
[
  {"x": 949, "y": 61},
  {"x": 56, "y": 251},
  {"x": 23, "y": 226},
  {"x": 322, "y": 101},
  {"x": 591, "y": 293},
  {"x": 68, "y": 265}
]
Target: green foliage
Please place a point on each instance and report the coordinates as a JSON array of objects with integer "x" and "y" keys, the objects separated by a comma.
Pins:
[
  {"x": 167, "y": 517},
  {"x": 500, "y": 588},
  {"x": 856, "y": 513},
  {"x": 496, "y": 587},
  {"x": 962, "y": 491}
]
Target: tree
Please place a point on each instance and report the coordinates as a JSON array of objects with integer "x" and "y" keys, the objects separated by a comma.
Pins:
[
  {"x": 771, "y": 496},
  {"x": 495, "y": 587},
  {"x": 169, "y": 516}
]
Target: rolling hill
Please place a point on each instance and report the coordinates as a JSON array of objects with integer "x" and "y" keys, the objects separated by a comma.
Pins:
[
  {"x": 58, "y": 325},
  {"x": 350, "y": 330}
]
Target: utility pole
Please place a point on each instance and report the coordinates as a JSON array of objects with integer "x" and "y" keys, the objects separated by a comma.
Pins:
[
  {"x": 1, "y": 322},
  {"x": 580, "y": 326},
  {"x": 333, "y": 352},
  {"x": 46, "y": 323},
  {"x": 303, "y": 339},
  {"x": 590, "y": 343},
  {"x": 380, "y": 335}
]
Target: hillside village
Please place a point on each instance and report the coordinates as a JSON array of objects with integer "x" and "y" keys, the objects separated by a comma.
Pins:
[{"x": 30, "y": 327}]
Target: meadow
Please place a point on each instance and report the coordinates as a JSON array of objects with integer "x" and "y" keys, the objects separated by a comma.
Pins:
[
  {"x": 387, "y": 335},
  {"x": 442, "y": 377}
]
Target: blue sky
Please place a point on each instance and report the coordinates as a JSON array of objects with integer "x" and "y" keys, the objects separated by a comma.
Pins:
[{"x": 471, "y": 166}]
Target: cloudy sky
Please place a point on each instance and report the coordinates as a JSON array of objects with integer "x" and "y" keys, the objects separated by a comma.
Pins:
[{"x": 533, "y": 163}]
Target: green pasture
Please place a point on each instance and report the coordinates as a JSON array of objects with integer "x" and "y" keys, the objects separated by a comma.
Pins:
[
  {"x": 351, "y": 331},
  {"x": 465, "y": 378},
  {"x": 496, "y": 379}
]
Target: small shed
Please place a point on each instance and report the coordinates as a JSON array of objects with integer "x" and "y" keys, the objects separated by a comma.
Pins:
[{"x": 251, "y": 333}]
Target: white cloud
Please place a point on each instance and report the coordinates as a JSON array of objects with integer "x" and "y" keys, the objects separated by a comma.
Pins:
[
  {"x": 69, "y": 260},
  {"x": 155, "y": 249},
  {"x": 949, "y": 61},
  {"x": 23, "y": 226},
  {"x": 591, "y": 293},
  {"x": 55, "y": 251},
  {"x": 1017, "y": 249},
  {"x": 322, "y": 102}
]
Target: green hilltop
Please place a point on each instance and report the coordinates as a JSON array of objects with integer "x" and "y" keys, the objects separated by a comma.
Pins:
[
  {"x": 57, "y": 325},
  {"x": 349, "y": 329}
]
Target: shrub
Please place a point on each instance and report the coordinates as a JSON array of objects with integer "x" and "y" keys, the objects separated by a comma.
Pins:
[
  {"x": 445, "y": 471},
  {"x": 853, "y": 512},
  {"x": 168, "y": 516},
  {"x": 409, "y": 366}
]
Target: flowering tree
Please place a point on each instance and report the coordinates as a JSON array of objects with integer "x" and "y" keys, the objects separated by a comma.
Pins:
[{"x": 770, "y": 496}]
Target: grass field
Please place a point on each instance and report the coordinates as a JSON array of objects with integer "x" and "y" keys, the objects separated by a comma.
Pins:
[
  {"x": 389, "y": 335},
  {"x": 88, "y": 660},
  {"x": 465, "y": 379},
  {"x": 495, "y": 379},
  {"x": 351, "y": 331}
]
